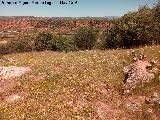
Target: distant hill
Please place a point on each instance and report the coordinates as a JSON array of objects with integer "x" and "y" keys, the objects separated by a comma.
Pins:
[{"x": 60, "y": 25}]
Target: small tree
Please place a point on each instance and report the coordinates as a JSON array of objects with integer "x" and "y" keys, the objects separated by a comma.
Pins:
[
  {"x": 85, "y": 38},
  {"x": 156, "y": 19},
  {"x": 19, "y": 44},
  {"x": 62, "y": 43},
  {"x": 156, "y": 11},
  {"x": 43, "y": 41},
  {"x": 132, "y": 30},
  {"x": 112, "y": 38}
]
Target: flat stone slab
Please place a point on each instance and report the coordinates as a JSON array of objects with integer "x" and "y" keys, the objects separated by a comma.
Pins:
[
  {"x": 8, "y": 76},
  {"x": 13, "y": 71}
]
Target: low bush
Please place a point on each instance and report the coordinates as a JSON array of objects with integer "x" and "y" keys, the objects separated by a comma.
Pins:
[
  {"x": 47, "y": 41},
  {"x": 17, "y": 45},
  {"x": 134, "y": 29},
  {"x": 85, "y": 38},
  {"x": 43, "y": 41},
  {"x": 62, "y": 43},
  {"x": 112, "y": 38},
  {"x": 24, "y": 44}
]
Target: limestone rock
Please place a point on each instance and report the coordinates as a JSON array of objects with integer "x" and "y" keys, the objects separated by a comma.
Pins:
[
  {"x": 138, "y": 72},
  {"x": 12, "y": 71},
  {"x": 8, "y": 76}
]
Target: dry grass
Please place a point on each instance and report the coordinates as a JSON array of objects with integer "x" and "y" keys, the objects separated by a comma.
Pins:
[{"x": 75, "y": 85}]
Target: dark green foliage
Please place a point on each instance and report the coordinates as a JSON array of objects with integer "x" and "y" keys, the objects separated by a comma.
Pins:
[
  {"x": 46, "y": 41},
  {"x": 62, "y": 43},
  {"x": 156, "y": 17},
  {"x": 25, "y": 44},
  {"x": 112, "y": 38},
  {"x": 156, "y": 11},
  {"x": 85, "y": 38},
  {"x": 43, "y": 41},
  {"x": 20, "y": 44},
  {"x": 134, "y": 29}
]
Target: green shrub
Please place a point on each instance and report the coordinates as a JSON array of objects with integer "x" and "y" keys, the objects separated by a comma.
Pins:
[
  {"x": 20, "y": 44},
  {"x": 85, "y": 38},
  {"x": 112, "y": 38},
  {"x": 43, "y": 41},
  {"x": 139, "y": 26},
  {"x": 62, "y": 43},
  {"x": 156, "y": 23},
  {"x": 134, "y": 29},
  {"x": 156, "y": 11}
]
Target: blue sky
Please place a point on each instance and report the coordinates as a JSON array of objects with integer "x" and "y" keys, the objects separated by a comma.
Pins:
[{"x": 83, "y": 8}]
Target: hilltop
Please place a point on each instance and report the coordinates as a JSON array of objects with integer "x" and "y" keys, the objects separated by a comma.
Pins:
[{"x": 77, "y": 85}]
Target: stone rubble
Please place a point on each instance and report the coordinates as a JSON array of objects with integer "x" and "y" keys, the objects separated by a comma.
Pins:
[{"x": 138, "y": 73}]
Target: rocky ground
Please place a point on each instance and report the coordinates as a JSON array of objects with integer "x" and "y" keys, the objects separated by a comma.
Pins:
[
  {"x": 9, "y": 79},
  {"x": 82, "y": 85}
]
